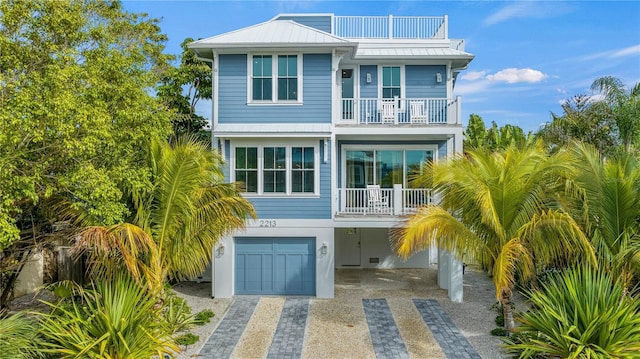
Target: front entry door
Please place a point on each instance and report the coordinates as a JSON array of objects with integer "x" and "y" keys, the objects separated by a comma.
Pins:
[
  {"x": 348, "y": 106},
  {"x": 351, "y": 249}
]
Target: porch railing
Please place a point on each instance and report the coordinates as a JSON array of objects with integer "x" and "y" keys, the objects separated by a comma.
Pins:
[
  {"x": 394, "y": 201},
  {"x": 365, "y": 111},
  {"x": 391, "y": 27}
]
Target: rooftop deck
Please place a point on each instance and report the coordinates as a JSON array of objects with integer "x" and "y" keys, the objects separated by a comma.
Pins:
[{"x": 391, "y": 27}]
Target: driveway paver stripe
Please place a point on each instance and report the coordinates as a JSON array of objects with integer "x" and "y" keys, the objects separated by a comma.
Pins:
[
  {"x": 289, "y": 337},
  {"x": 222, "y": 342},
  {"x": 385, "y": 336},
  {"x": 453, "y": 343}
]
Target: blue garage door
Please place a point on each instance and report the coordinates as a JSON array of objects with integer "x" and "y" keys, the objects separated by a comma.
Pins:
[{"x": 281, "y": 266}]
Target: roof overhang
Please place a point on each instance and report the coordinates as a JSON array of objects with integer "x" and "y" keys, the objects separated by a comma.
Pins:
[{"x": 295, "y": 130}]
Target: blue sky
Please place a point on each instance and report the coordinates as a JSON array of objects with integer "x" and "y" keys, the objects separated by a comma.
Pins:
[{"x": 530, "y": 55}]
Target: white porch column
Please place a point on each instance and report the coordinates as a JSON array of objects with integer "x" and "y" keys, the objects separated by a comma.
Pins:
[
  {"x": 443, "y": 269},
  {"x": 455, "y": 280},
  {"x": 397, "y": 199}
]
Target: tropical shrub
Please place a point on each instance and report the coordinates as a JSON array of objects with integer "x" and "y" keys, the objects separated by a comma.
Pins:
[
  {"x": 204, "y": 316},
  {"x": 116, "y": 318},
  {"x": 580, "y": 313},
  {"x": 177, "y": 314},
  {"x": 187, "y": 339},
  {"x": 16, "y": 337}
]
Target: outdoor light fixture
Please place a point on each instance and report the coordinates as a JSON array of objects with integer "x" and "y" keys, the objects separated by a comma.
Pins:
[
  {"x": 368, "y": 77},
  {"x": 220, "y": 249},
  {"x": 438, "y": 77},
  {"x": 323, "y": 249}
]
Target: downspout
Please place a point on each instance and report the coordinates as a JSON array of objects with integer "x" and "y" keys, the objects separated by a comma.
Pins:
[{"x": 214, "y": 120}]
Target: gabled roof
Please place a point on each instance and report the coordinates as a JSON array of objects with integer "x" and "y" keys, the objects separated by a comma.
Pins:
[{"x": 273, "y": 34}]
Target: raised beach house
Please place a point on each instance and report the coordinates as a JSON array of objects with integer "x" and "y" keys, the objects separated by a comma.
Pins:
[{"x": 323, "y": 119}]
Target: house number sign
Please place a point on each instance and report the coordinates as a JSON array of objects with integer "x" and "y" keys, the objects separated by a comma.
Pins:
[{"x": 267, "y": 223}]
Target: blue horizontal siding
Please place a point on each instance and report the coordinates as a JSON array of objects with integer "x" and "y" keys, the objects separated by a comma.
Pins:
[
  {"x": 369, "y": 90},
  {"x": 320, "y": 22},
  {"x": 316, "y": 92},
  {"x": 420, "y": 81}
]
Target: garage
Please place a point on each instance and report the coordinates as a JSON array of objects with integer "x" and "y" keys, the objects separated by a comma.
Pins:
[{"x": 275, "y": 266}]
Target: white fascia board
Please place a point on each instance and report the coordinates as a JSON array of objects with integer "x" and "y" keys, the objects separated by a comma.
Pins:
[
  {"x": 273, "y": 130},
  {"x": 445, "y": 130}
]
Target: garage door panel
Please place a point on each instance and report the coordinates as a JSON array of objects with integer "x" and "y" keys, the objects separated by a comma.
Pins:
[{"x": 283, "y": 266}]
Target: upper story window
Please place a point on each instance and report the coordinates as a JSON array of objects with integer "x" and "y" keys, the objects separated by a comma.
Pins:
[
  {"x": 392, "y": 81},
  {"x": 276, "y": 169},
  {"x": 275, "y": 79},
  {"x": 262, "y": 80}
]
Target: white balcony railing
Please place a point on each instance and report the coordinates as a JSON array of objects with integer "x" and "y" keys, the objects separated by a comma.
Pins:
[
  {"x": 364, "y": 111},
  {"x": 391, "y": 27},
  {"x": 394, "y": 201}
]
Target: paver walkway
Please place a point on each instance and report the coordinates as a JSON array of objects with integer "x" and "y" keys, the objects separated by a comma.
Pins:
[
  {"x": 385, "y": 336},
  {"x": 289, "y": 337},
  {"x": 453, "y": 343},
  {"x": 222, "y": 342}
]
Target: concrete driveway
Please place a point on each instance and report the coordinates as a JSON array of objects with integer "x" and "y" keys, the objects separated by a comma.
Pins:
[{"x": 395, "y": 313}]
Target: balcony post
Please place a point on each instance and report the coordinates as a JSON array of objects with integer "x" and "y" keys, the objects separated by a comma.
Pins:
[
  {"x": 390, "y": 26},
  {"x": 397, "y": 199},
  {"x": 446, "y": 27}
]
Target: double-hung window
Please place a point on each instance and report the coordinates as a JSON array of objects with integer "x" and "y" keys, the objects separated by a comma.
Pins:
[
  {"x": 277, "y": 169},
  {"x": 274, "y": 169},
  {"x": 246, "y": 168},
  {"x": 302, "y": 170},
  {"x": 391, "y": 82},
  {"x": 262, "y": 80},
  {"x": 275, "y": 79}
]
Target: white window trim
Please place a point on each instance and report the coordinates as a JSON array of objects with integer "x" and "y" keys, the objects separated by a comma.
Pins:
[
  {"x": 375, "y": 147},
  {"x": 403, "y": 90},
  {"x": 274, "y": 80},
  {"x": 288, "y": 151}
]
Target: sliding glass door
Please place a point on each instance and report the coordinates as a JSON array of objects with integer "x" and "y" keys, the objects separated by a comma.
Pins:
[{"x": 384, "y": 167}]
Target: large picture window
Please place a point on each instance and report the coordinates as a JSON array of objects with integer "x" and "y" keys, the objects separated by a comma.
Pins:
[
  {"x": 275, "y": 79},
  {"x": 277, "y": 170}
]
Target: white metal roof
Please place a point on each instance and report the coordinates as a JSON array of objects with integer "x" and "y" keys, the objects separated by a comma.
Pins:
[
  {"x": 272, "y": 129},
  {"x": 411, "y": 52},
  {"x": 272, "y": 34}
]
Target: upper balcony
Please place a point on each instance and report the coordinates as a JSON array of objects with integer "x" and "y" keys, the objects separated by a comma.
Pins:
[
  {"x": 391, "y": 27},
  {"x": 400, "y": 111}
]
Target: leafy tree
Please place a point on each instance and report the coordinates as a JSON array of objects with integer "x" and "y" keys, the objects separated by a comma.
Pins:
[
  {"x": 606, "y": 194},
  {"x": 610, "y": 121},
  {"x": 76, "y": 116},
  {"x": 494, "y": 138},
  {"x": 176, "y": 222},
  {"x": 181, "y": 89},
  {"x": 495, "y": 206},
  {"x": 581, "y": 313}
]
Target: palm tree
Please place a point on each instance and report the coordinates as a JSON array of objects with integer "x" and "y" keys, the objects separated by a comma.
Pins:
[
  {"x": 623, "y": 106},
  {"x": 606, "y": 194},
  {"x": 495, "y": 207},
  {"x": 176, "y": 222}
]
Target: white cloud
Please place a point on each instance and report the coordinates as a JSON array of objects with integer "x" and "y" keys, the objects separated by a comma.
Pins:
[
  {"x": 528, "y": 9},
  {"x": 627, "y": 51},
  {"x": 513, "y": 75},
  {"x": 467, "y": 88},
  {"x": 473, "y": 75}
]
